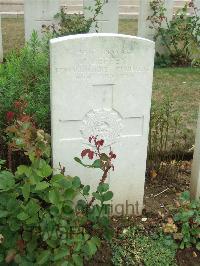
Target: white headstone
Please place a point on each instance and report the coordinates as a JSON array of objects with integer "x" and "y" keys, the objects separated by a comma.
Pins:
[
  {"x": 107, "y": 21},
  {"x": 101, "y": 85},
  {"x": 197, "y": 5},
  {"x": 195, "y": 179},
  {"x": 1, "y": 43},
  {"x": 143, "y": 24},
  {"x": 38, "y": 13}
]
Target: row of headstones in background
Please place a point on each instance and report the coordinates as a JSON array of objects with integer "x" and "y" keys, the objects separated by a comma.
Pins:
[
  {"x": 42, "y": 12},
  {"x": 38, "y": 13},
  {"x": 108, "y": 19},
  {"x": 144, "y": 29},
  {"x": 101, "y": 85}
]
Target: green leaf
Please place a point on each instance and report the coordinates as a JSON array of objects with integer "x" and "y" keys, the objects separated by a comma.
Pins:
[
  {"x": 198, "y": 246},
  {"x": 3, "y": 214},
  {"x": 57, "y": 178},
  {"x": 185, "y": 196},
  {"x": 43, "y": 257},
  {"x": 32, "y": 245},
  {"x": 66, "y": 263},
  {"x": 78, "y": 160},
  {"x": 70, "y": 194},
  {"x": 103, "y": 187},
  {"x": 97, "y": 164},
  {"x": 23, "y": 169},
  {"x": 26, "y": 191},
  {"x": 7, "y": 181},
  {"x": 54, "y": 197},
  {"x": 61, "y": 181},
  {"x": 86, "y": 190},
  {"x": 44, "y": 170},
  {"x": 81, "y": 204},
  {"x": 97, "y": 196},
  {"x": 42, "y": 185},
  {"x": 32, "y": 207},
  {"x": 96, "y": 241},
  {"x": 78, "y": 261},
  {"x": 61, "y": 253},
  {"x": 2, "y": 162},
  {"x": 182, "y": 245},
  {"x": 22, "y": 216},
  {"x": 108, "y": 196},
  {"x": 76, "y": 182},
  {"x": 35, "y": 178},
  {"x": 92, "y": 246}
]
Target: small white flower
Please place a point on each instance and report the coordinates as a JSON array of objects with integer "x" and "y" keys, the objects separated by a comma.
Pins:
[
  {"x": 125, "y": 231},
  {"x": 144, "y": 219}
]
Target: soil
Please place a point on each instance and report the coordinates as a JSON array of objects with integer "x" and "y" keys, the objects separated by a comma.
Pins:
[
  {"x": 188, "y": 257},
  {"x": 160, "y": 194}
]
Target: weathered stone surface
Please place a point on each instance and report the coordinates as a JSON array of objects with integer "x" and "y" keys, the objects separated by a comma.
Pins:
[
  {"x": 143, "y": 24},
  {"x": 195, "y": 179},
  {"x": 107, "y": 21},
  {"x": 38, "y": 13},
  {"x": 101, "y": 85}
]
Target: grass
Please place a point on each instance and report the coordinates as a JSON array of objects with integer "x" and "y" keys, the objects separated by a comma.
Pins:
[
  {"x": 181, "y": 84},
  {"x": 128, "y": 26},
  {"x": 13, "y": 34},
  {"x": 133, "y": 247}
]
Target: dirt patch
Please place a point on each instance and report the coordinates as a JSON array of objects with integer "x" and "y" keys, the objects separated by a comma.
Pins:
[
  {"x": 160, "y": 194},
  {"x": 103, "y": 256},
  {"x": 188, "y": 257}
]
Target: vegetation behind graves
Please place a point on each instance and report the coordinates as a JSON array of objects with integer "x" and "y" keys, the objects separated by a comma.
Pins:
[
  {"x": 184, "y": 224},
  {"x": 134, "y": 247},
  {"x": 69, "y": 24},
  {"x": 40, "y": 223},
  {"x": 169, "y": 142},
  {"x": 27, "y": 74},
  {"x": 179, "y": 37}
]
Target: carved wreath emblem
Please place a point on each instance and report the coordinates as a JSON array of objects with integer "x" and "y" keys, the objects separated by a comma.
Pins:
[{"x": 106, "y": 123}]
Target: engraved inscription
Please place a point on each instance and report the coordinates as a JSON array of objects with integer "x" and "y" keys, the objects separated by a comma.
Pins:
[
  {"x": 110, "y": 63},
  {"x": 106, "y": 123}
]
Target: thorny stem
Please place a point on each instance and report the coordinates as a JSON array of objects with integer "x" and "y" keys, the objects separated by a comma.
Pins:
[{"x": 103, "y": 179}]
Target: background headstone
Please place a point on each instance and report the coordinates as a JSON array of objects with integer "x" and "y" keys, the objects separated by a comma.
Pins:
[
  {"x": 197, "y": 5},
  {"x": 143, "y": 24},
  {"x": 108, "y": 20},
  {"x": 195, "y": 179},
  {"x": 1, "y": 43},
  {"x": 38, "y": 13},
  {"x": 101, "y": 85}
]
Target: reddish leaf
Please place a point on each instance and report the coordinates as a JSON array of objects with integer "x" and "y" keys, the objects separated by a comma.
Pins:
[
  {"x": 112, "y": 155},
  {"x": 90, "y": 155},
  {"x": 10, "y": 116},
  {"x": 84, "y": 152}
]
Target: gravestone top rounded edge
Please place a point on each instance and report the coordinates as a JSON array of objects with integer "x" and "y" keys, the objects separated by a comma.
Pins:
[{"x": 99, "y": 35}]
